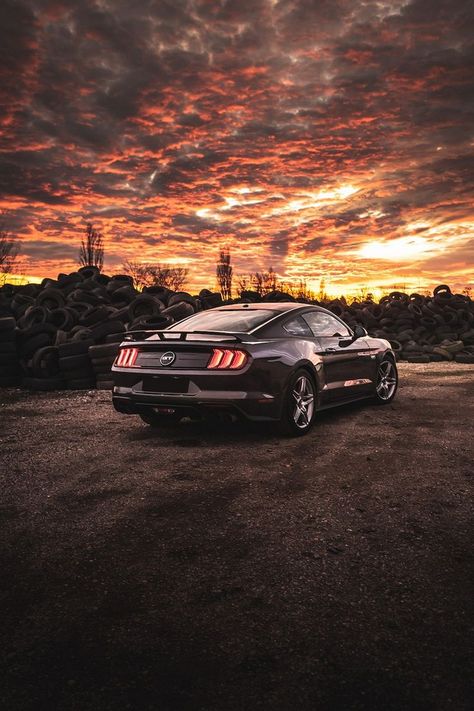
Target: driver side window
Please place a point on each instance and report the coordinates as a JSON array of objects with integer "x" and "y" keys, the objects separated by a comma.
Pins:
[{"x": 325, "y": 325}]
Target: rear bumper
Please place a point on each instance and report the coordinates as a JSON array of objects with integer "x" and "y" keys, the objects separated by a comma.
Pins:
[{"x": 251, "y": 405}]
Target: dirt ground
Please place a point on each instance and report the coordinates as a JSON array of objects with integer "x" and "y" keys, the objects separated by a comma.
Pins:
[{"x": 228, "y": 569}]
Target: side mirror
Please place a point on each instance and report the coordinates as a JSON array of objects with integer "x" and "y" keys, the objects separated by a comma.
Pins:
[{"x": 358, "y": 332}]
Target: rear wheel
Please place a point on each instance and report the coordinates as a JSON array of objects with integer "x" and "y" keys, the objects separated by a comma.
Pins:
[
  {"x": 387, "y": 382},
  {"x": 299, "y": 405},
  {"x": 156, "y": 419}
]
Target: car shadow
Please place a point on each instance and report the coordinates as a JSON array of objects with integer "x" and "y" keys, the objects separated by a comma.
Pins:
[{"x": 195, "y": 433}]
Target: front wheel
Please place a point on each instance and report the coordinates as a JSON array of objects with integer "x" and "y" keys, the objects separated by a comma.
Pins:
[
  {"x": 387, "y": 382},
  {"x": 299, "y": 405}
]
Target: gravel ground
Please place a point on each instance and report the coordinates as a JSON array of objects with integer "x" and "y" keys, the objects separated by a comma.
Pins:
[{"x": 227, "y": 569}]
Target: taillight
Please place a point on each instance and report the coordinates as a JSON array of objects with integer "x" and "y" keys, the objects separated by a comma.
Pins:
[
  {"x": 223, "y": 358},
  {"x": 126, "y": 357}
]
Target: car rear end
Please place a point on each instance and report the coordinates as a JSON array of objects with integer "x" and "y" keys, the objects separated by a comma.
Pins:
[{"x": 196, "y": 374}]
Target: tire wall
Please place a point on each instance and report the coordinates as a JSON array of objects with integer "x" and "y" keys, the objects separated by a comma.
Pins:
[{"x": 65, "y": 332}]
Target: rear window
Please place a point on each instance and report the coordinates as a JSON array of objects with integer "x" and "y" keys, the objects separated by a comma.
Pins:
[{"x": 239, "y": 320}]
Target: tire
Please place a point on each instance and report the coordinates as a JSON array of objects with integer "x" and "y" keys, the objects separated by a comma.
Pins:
[
  {"x": 104, "y": 350},
  {"x": 94, "y": 316},
  {"x": 88, "y": 271},
  {"x": 464, "y": 358},
  {"x": 63, "y": 318},
  {"x": 299, "y": 405},
  {"x": 114, "y": 338},
  {"x": 9, "y": 370},
  {"x": 8, "y": 337},
  {"x": 154, "y": 419},
  {"x": 102, "y": 363},
  {"x": 387, "y": 382},
  {"x": 425, "y": 358},
  {"x": 45, "y": 362},
  {"x": 51, "y": 298},
  {"x": 144, "y": 305},
  {"x": 178, "y": 311},
  {"x": 8, "y": 359},
  {"x": 179, "y": 297},
  {"x": 103, "y": 329},
  {"x": 35, "y": 343},
  {"x": 75, "y": 361},
  {"x": 7, "y": 323},
  {"x": 35, "y": 315},
  {"x": 153, "y": 323},
  {"x": 74, "y": 348},
  {"x": 82, "y": 334}
]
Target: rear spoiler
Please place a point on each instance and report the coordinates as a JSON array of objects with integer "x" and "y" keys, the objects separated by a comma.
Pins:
[{"x": 219, "y": 336}]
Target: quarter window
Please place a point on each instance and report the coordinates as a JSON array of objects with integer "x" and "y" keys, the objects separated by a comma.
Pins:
[
  {"x": 297, "y": 327},
  {"x": 324, "y": 325}
]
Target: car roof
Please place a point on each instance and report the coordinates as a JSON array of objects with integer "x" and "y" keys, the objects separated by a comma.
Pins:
[{"x": 265, "y": 305}]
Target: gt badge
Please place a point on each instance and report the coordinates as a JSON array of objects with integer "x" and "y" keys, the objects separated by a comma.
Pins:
[{"x": 167, "y": 358}]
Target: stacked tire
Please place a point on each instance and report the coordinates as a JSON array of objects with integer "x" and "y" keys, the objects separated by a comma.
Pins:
[
  {"x": 65, "y": 332},
  {"x": 9, "y": 369},
  {"x": 75, "y": 365},
  {"x": 102, "y": 358}
]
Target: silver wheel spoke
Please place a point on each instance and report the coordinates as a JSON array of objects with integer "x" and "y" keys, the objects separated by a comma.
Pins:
[
  {"x": 304, "y": 402},
  {"x": 386, "y": 380}
]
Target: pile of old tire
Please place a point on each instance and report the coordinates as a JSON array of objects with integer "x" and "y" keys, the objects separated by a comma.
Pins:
[
  {"x": 420, "y": 328},
  {"x": 65, "y": 332}
]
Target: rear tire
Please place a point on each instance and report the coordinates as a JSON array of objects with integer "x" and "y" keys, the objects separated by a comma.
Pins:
[{"x": 299, "y": 405}]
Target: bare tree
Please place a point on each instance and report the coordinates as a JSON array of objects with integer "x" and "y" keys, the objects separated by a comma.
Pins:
[
  {"x": 261, "y": 282},
  {"x": 298, "y": 289},
  {"x": 9, "y": 250},
  {"x": 322, "y": 294},
  {"x": 140, "y": 274},
  {"x": 242, "y": 283},
  {"x": 173, "y": 278},
  {"x": 224, "y": 274},
  {"x": 264, "y": 282},
  {"x": 91, "y": 252}
]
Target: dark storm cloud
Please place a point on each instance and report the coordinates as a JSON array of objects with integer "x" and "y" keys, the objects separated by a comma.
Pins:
[{"x": 287, "y": 124}]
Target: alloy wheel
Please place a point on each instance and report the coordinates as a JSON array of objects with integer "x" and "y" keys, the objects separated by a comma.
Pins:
[
  {"x": 303, "y": 402},
  {"x": 386, "y": 380}
]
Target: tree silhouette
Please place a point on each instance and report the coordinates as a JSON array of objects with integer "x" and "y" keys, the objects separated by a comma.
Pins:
[
  {"x": 91, "y": 252},
  {"x": 147, "y": 274},
  {"x": 8, "y": 252},
  {"x": 224, "y": 274}
]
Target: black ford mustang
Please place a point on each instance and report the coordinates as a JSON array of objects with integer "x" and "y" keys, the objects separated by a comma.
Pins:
[{"x": 269, "y": 361}]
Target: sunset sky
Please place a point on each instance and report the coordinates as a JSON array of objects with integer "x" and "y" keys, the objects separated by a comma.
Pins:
[{"x": 322, "y": 137}]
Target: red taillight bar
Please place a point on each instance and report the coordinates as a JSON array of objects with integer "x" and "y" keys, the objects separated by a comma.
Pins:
[
  {"x": 127, "y": 357},
  {"x": 227, "y": 359}
]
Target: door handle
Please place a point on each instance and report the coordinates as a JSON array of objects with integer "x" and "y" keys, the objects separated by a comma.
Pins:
[{"x": 330, "y": 350}]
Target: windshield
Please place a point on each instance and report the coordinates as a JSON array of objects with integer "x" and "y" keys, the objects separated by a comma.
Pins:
[{"x": 238, "y": 320}]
